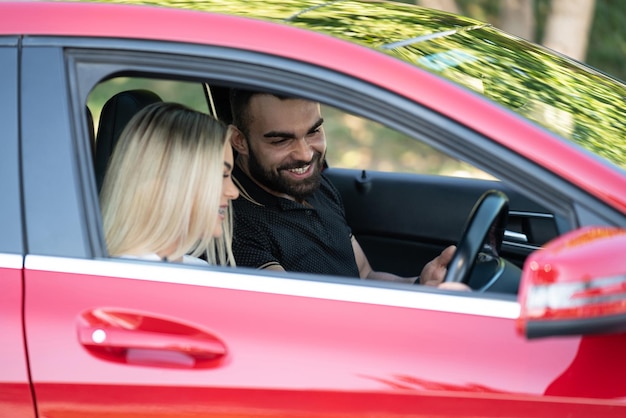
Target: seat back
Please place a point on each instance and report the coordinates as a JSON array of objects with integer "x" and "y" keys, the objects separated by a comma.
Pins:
[
  {"x": 92, "y": 134},
  {"x": 116, "y": 113}
]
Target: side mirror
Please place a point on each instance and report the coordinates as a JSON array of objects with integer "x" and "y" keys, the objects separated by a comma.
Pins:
[{"x": 575, "y": 285}]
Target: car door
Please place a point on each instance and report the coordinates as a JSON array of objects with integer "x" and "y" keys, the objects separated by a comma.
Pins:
[
  {"x": 109, "y": 337},
  {"x": 405, "y": 200},
  {"x": 15, "y": 393}
]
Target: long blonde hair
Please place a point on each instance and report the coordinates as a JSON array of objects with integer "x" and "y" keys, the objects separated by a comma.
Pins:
[{"x": 163, "y": 186}]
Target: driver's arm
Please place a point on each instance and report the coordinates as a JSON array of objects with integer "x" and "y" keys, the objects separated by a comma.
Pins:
[
  {"x": 433, "y": 273},
  {"x": 366, "y": 272}
]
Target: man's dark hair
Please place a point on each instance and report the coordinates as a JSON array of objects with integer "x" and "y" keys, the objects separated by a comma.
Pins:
[{"x": 239, "y": 101}]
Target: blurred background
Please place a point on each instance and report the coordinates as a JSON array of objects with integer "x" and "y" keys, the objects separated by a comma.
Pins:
[{"x": 592, "y": 31}]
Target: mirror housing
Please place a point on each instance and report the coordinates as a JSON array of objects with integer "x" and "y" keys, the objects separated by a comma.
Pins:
[{"x": 575, "y": 285}]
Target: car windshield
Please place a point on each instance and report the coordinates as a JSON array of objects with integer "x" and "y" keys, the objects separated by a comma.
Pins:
[
  {"x": 574, "y": 101},
  {"x": 566, "y": 97}
]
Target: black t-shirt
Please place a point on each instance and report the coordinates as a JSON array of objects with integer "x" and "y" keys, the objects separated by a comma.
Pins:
[{"x": 270, "y": 230}]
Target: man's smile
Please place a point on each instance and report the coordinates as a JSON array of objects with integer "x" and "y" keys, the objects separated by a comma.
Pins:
[{"x": 299, "y": 170}]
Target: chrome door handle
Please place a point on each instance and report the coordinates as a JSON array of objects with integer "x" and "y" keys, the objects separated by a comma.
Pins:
[
  {"x": 144, "y": 339},
  {"x": 516, "y": 236}
]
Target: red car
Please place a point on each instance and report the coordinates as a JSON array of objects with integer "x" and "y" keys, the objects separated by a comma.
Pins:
[{"x": 438, "y": 127}]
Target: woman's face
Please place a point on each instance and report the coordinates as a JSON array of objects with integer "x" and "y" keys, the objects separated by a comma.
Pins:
[{"x": 229, "y": 190}]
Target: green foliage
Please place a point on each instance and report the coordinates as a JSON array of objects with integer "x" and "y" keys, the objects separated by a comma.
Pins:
[
  {"x": 559, "y": 94},
  {"x": 606, "y": 49},
  {"x": 607, "y": 44}
]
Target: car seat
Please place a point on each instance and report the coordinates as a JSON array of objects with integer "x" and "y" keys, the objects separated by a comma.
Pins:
[
  {"x": 91, "y": 131},
  {"x": 116, "y": 113}
]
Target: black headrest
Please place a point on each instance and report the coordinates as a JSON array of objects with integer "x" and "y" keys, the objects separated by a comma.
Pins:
[
  {"x": 221, "y": 101},
  {"x": 90, "y": 128},
  {"x": 116, "y": 113}
]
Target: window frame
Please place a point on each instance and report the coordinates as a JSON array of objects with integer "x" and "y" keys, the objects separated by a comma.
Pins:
[
  {"x": 89, "y": 60},
  {"x": 11, "y": 238}
]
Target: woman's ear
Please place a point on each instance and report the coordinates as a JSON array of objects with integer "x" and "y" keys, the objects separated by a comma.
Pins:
[{"x": 238, "y": 141}]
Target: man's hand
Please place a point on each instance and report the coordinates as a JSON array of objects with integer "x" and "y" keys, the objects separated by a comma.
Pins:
[{"x": 435, "y": 271}]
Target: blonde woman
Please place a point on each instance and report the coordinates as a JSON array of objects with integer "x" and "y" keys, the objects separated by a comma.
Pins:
[{"x": 167, "y": 191}]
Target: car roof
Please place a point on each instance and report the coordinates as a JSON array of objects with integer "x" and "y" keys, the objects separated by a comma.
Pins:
[{"x": 382, "y": 22}]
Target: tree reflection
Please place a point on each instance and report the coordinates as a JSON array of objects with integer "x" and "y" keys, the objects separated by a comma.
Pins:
[{"x": 562, "y": 95}]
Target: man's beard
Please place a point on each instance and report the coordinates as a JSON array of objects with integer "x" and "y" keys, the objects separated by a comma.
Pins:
[{"x": 300, "y": 190}]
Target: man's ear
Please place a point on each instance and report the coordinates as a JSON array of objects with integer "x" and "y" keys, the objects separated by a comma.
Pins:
[{"x": 238, "y": 141}]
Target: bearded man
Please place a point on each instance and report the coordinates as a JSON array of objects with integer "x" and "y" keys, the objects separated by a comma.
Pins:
[{"x": 289, "y": 216}]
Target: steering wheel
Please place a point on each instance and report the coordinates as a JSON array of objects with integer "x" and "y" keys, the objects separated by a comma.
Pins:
[{"x": 484, "y": 231}]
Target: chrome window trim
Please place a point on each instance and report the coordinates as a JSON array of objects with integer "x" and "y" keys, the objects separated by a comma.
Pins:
[
  {"x": 11, "y": 261},
  {"x": 527, "y": 214},
  {"x": 269, "y": 282},
  {"x": 527, "y": 247}
]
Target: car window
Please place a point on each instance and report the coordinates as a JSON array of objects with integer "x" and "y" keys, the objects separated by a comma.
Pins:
[
  {"x": 189, "y": 93},
  {"x": 111, "y": 105},
  {"x": 359, "y": 143},
  {"x": 398, "y": 232},
  {"x": 354, "y": 142},
  {"x": 534, "y": 83}
]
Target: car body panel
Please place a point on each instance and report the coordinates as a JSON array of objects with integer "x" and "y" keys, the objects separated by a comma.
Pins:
[
  {"x": 383, "y": 358},
  {"x": 11, "y": 239},
  {"x": 53, "y": 212},
  {"x": 15, "y": 390}
]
